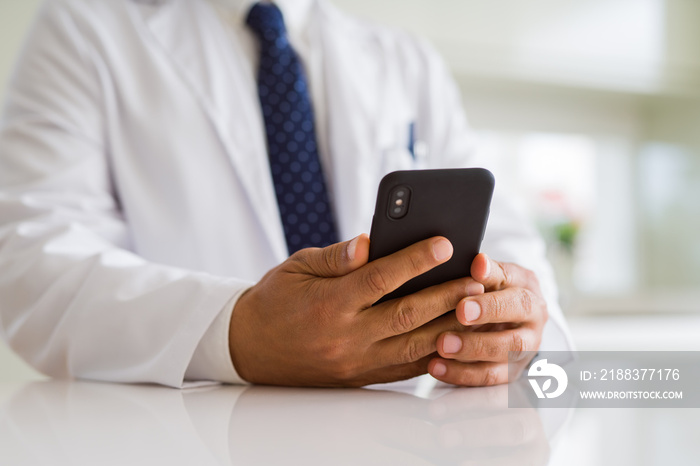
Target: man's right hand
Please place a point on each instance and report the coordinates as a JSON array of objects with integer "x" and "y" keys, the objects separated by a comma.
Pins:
[{"x": 309, "y": 321}]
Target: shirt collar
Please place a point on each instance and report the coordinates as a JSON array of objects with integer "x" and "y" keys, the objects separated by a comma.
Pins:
[{"x": 295, "y": 12}]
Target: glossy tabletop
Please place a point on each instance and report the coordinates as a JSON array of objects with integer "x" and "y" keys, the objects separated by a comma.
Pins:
[{"x": 411, "y": 423}]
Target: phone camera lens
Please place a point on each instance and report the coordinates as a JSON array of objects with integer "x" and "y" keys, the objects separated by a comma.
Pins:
[{"x": 399, "y": 202}]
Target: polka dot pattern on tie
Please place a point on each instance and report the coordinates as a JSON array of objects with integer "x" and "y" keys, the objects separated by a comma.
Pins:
[{"x": 299, "y": 184}]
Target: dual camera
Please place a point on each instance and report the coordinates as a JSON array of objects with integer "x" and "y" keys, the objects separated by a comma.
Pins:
[{"x": 399, "y": 201}]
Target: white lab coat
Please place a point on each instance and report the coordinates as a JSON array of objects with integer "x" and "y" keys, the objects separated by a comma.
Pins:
[{"x": 135, "y": 194}]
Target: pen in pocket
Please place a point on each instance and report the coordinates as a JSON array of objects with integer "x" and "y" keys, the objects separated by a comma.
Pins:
[{"x": 412, "y": 139}]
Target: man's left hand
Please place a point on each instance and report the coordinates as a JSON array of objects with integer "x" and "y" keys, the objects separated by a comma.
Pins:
[{"x": 509, "y": 316}]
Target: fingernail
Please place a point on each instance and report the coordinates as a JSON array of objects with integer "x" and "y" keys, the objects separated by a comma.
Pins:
[
  {"x": 472, "y": 311},
  {"x": 351, "y": 247},
  {"x": 442, "y": 249},
  {"x": 439, "y": 369},
  {"x": 451, "y": 344},
  {"x": 488, "y": 267},
  {"x": 475, "y": 288}
]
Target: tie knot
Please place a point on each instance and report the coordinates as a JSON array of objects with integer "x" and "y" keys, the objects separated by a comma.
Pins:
[{"x": 266, "y": 20}]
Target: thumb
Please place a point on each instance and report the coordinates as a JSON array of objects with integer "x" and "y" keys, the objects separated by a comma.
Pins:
[{"x": 337, "y": 259}]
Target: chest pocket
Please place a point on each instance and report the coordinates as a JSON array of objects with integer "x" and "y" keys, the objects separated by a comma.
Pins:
[
  {"x": 405, "y": 150},
  {"x": 398, "y": 136}
]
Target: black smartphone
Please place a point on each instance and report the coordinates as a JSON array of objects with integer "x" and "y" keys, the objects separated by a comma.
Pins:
[{"x": 414, "y": 205}]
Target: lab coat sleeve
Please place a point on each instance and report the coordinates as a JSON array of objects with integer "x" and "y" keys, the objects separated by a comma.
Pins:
[
  {"x": 74, "y": 300},
  {"x": 510, "y": 235}
]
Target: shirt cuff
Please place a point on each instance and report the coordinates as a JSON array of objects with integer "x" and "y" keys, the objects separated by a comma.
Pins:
[{"x": 212, "y": 358}]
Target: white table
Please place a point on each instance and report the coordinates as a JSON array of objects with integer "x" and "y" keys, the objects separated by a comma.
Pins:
[{"x": 81, "y": 423}]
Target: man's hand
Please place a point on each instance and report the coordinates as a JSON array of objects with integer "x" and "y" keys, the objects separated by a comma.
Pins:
[
  {"x": 309, "y": 322},
  {"x": 510, "y": 316}
]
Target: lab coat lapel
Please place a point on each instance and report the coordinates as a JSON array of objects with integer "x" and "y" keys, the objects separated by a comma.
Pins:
[{"x": 198, "y": 57}]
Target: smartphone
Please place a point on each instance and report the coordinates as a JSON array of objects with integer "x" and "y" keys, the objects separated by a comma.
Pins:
[{"x": 414, "y": 205}]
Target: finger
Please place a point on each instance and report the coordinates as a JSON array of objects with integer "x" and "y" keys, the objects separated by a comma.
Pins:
[
  {"x": 508, "y": 305},
  {"x": 500, "y": 275},
  {"x": 369, "y": 283},
  {"x": 335, "y": 260},
  {"x": 403, "y": 315},
  {"x": 415, "y": 344},
  {"x": 471, "y": 374},
  {"x": 486, "y": 346},
  {"x": 433, "y": 319}
]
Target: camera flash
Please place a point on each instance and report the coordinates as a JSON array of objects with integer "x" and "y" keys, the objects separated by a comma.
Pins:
[{"x": 399, "y": 202}]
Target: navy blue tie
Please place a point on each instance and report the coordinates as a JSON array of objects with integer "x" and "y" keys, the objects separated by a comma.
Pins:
[{"x": 301, "y": 191}]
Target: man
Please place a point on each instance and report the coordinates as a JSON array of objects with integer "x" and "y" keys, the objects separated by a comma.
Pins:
[{"x": 145, "y": 227}]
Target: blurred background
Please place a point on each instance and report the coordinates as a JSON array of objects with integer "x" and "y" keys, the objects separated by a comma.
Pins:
[{"x": 589, "y": 112}]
